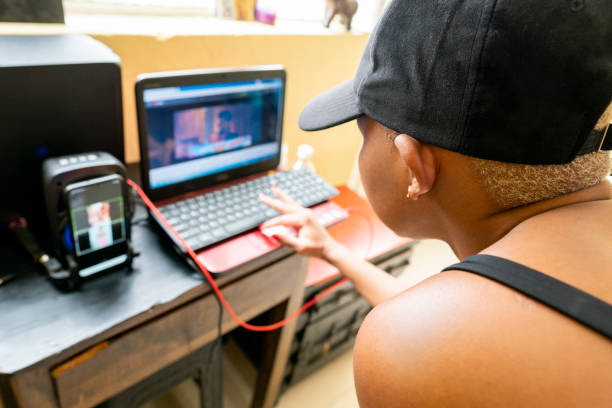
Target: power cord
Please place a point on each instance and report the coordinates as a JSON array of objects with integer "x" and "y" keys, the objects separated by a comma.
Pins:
[{"x": 216, "y": 350}]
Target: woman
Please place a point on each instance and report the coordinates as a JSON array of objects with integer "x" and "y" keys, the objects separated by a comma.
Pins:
[{"x": 477, "y": 120}]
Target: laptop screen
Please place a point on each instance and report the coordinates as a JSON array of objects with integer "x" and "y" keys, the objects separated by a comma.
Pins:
[{"x": 198, "y": 130}]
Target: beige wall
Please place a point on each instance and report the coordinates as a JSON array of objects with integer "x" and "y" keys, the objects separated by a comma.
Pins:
[{"x": 313, "y": 62}]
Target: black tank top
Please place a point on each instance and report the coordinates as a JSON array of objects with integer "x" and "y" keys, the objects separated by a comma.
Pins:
[{"x": 580, "y": 306}]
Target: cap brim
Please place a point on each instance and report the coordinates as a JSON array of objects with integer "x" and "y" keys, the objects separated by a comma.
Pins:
[{"x": 333, "y": 107}]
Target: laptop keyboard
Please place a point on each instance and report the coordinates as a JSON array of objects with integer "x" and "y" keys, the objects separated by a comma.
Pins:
[{"x": 212, "y": 217}]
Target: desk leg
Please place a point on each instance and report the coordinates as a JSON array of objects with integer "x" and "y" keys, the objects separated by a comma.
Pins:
[
  {"x": 277, "y": 344},
  {"x": 31, "y": 388}
]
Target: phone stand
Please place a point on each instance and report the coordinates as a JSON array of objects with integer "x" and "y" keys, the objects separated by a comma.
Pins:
[{"x": 58, "y": 173}]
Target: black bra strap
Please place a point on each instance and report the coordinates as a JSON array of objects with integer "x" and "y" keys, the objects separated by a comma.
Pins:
[{"x": 562, "y": 297}]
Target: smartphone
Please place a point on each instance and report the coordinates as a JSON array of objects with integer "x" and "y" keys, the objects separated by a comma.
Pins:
[{"x": 97, "y": 233}]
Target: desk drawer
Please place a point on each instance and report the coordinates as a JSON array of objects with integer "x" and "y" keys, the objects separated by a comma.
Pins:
[{"x": 112, "y": 366}]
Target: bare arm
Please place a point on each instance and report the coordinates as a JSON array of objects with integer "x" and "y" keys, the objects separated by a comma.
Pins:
[
  {"x": 371, "y": 282},
  {"x": 312, "y": 239}
]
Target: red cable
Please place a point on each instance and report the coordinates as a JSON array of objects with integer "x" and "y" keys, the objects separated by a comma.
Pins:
[{"x": 212, "y": 282}]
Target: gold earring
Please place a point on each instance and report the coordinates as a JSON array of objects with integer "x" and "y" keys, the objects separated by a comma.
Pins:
[{"x": 410, "y": 194}]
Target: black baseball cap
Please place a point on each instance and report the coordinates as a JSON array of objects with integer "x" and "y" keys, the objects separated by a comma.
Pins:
[{"x": 521, "y": 81}]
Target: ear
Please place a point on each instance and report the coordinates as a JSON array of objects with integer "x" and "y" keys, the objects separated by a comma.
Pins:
[{"x": 420, "y": 160}]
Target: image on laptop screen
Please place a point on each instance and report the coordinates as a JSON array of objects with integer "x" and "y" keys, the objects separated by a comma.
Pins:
[{"x": 198, "y": 130}]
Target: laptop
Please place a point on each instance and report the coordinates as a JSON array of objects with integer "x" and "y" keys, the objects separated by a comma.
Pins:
[{"x": 210, "y": 141}]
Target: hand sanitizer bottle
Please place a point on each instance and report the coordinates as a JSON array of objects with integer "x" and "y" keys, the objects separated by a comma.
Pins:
[{"x": 304, "y": 162}]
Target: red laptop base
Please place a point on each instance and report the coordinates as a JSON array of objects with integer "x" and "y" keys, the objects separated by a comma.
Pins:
[{"x": 227, "y": 255}]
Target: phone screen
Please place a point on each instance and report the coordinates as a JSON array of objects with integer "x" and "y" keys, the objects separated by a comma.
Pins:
[{"x": 97, "y": 215}]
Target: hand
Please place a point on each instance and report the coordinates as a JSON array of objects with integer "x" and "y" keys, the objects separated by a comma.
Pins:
[{"x": 312, "y": 238}]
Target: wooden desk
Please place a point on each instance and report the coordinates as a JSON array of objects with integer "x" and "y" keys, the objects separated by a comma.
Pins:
[{"x": 81, "y": 348}]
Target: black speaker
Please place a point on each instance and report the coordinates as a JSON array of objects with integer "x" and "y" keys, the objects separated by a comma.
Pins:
[
  {"x": 32, "y": 11},
  {"x": 59, "y": 95}
]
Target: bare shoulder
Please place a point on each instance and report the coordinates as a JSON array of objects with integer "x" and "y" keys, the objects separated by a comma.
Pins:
[
  {"x": 461, "y": 340},
  {"x": 409, "y": 348}
]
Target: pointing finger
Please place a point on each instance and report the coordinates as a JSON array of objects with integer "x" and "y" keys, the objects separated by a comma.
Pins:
[
  {"x": 278, "y": 205},
  {"x": 284, "y": 196},
  {"x": 291, "y": 220}
]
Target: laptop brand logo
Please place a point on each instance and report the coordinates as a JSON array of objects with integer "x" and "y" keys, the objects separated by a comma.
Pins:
[{"x": 222, "y": 177}]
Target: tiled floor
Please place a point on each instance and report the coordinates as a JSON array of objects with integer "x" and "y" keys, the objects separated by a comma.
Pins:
[{"x": 329, "y": 387}]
